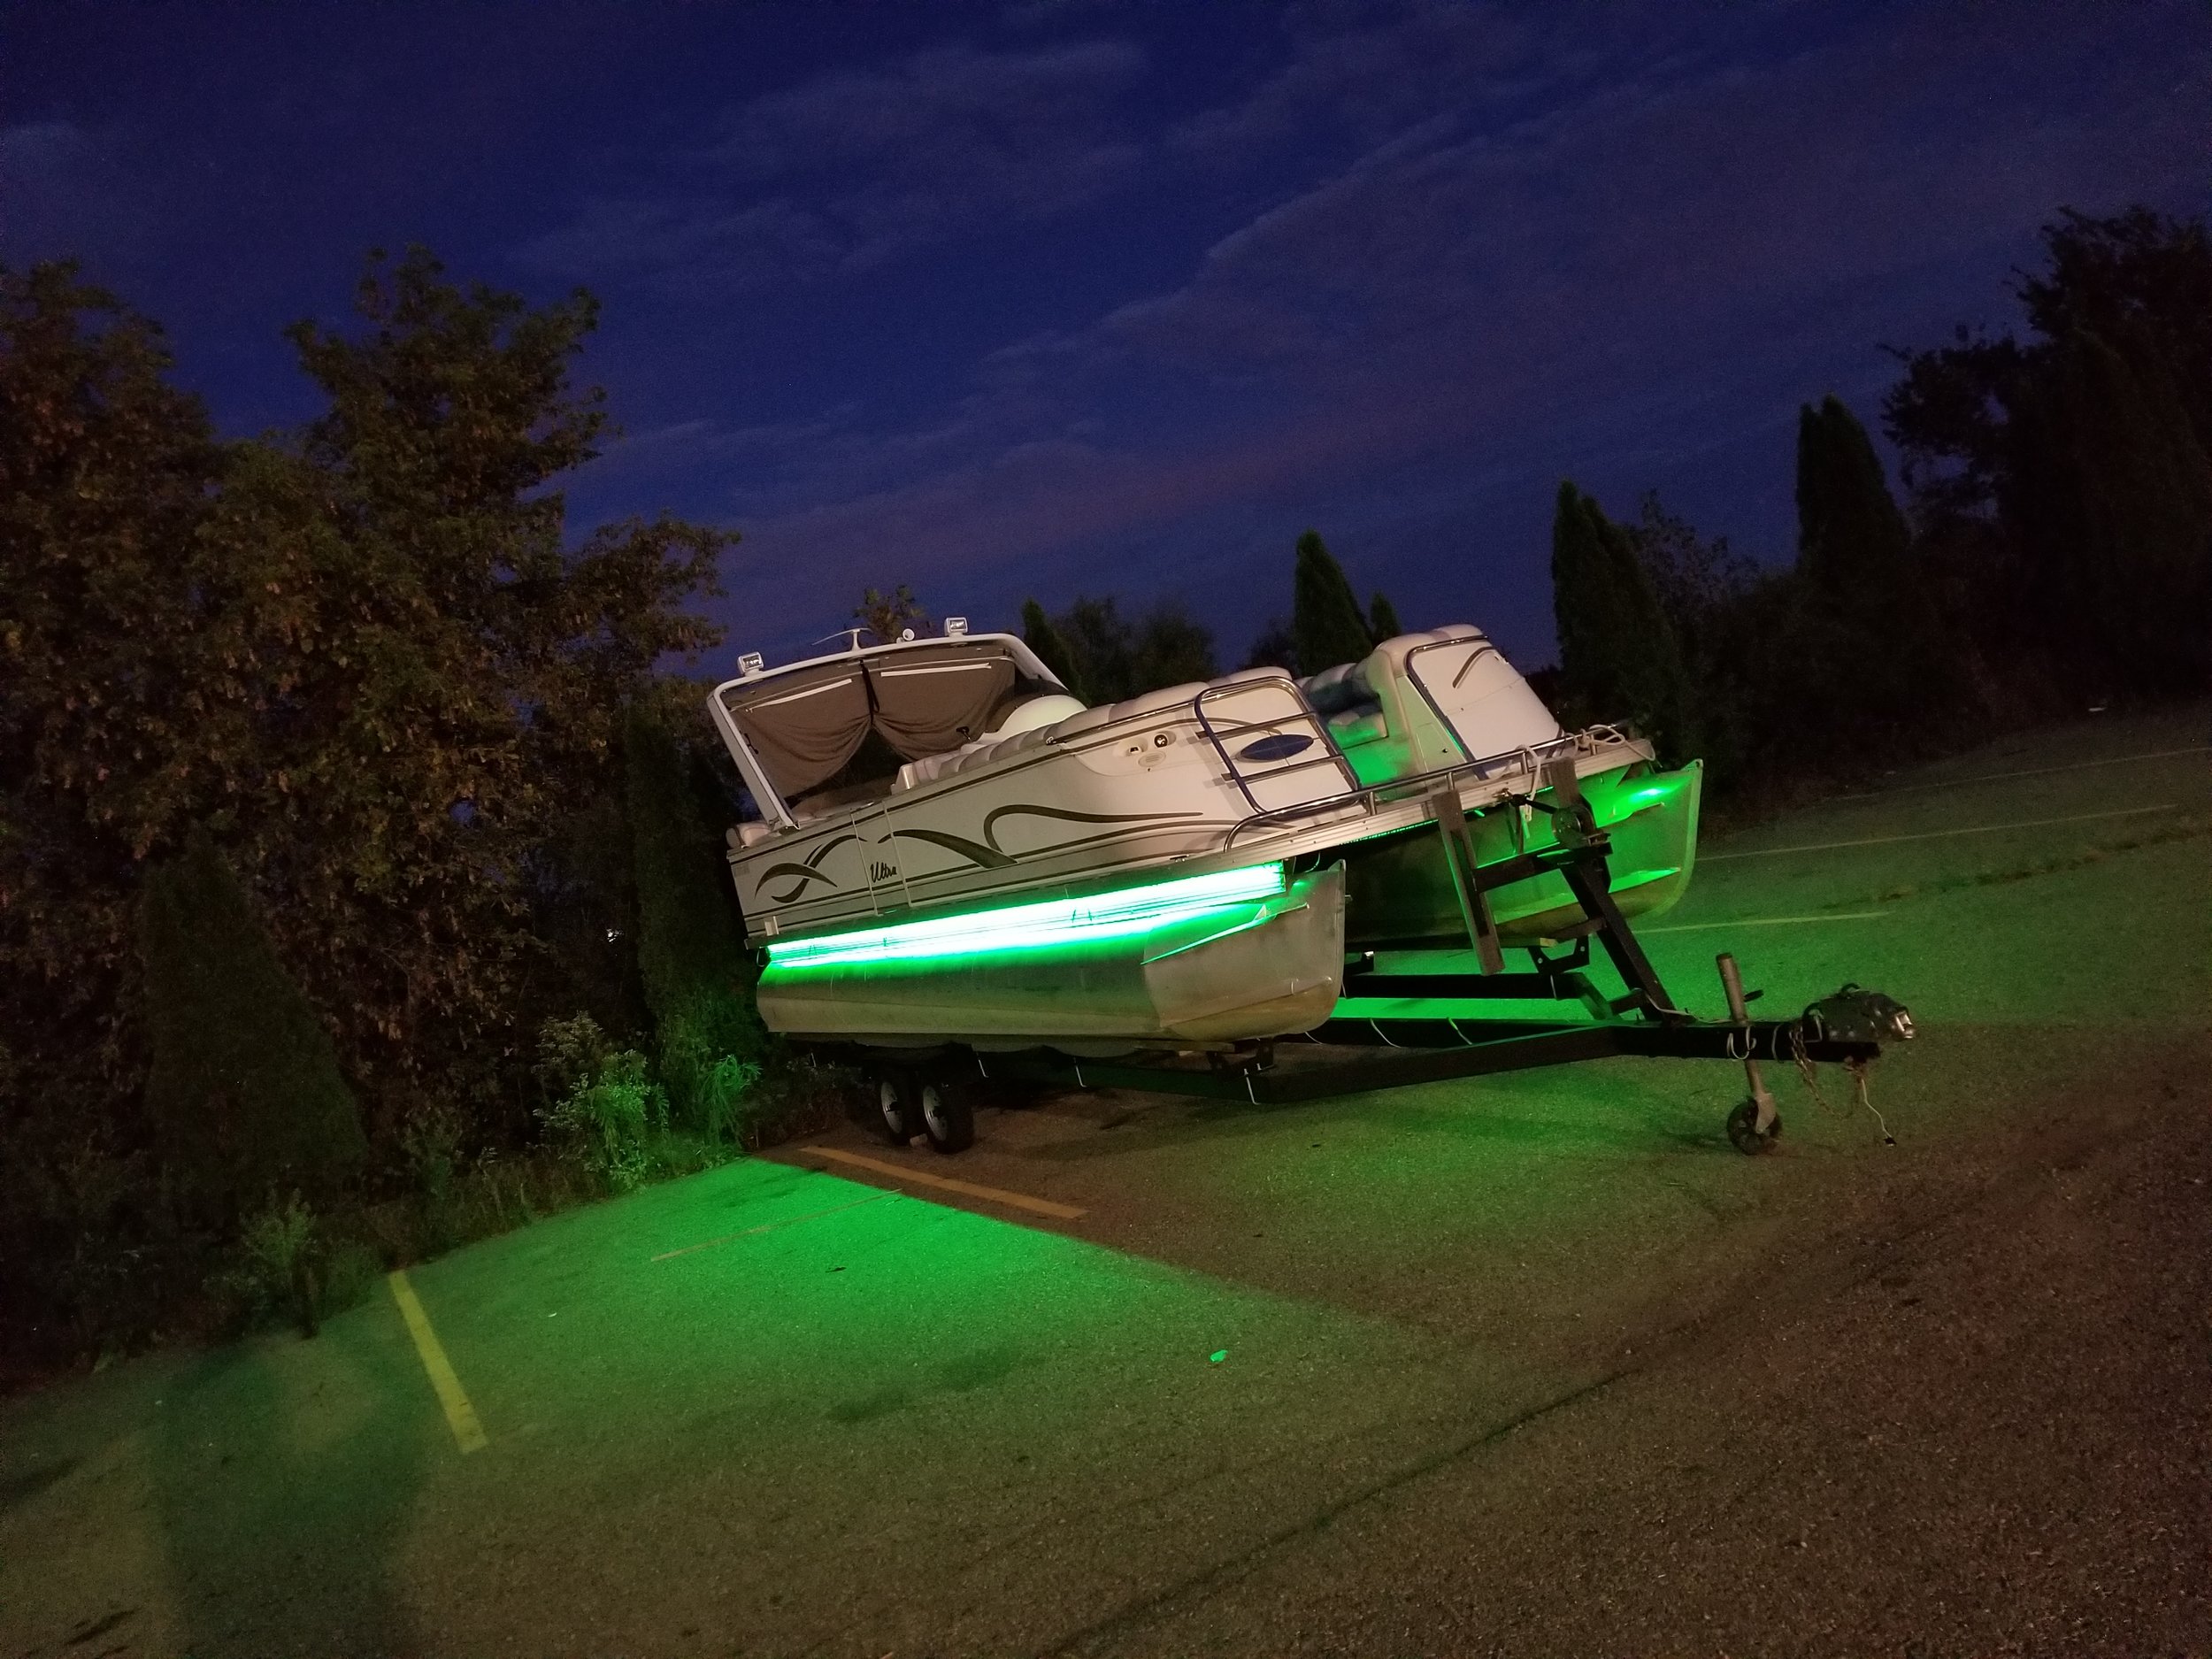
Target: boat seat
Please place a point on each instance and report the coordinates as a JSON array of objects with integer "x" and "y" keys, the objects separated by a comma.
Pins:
[{"x": 1027, "y": 719}]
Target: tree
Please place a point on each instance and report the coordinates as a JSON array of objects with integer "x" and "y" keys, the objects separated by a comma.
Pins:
[
  {"x": 1274, "y": 648},
  {"x": 1618, "y": 655},
  {"x": 244, "y": 1089},
  {"x": 1702, "y": 589},
  {"x": 407, "y": 676},
  {"x": 888, "y": 615},
  {"x": 1880, "y": 658},
  {"x": 1853, "y": 543},
  {"x": 1115, "y": 658},
  {"x": 2003, "y": 459},
  {"x": 105, "y": 475},
  {"x": 1382, "y": 617},
  {"x": 1325, "y": 619},
  {"x": 2117, "y": 521},
  {"x": 1102, "y": 645},
  {"x": 691, "y": 952},
  {"x": 2141, "y": 283},
  {"x": 1052, "y": 648},
  {"x": 1170, "y": 649}
]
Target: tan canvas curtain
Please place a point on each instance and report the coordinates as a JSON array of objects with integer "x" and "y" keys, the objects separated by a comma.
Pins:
[
  {"x": 940, "y": 697},
  {"x": 804, "y": 730}
]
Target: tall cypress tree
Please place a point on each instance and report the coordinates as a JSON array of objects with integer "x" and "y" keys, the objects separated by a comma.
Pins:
[
  {"x": 244, "y": 1092},
  {"x": 1382, "y": 617},
  {"x": 1618, "y": 655},
  {"x": 1326, "y": 620},
  {"x": 697, "y": 978},
  {"x": 1052, "y": 648},
  {"x": 1853, "y": 542},
  {"x": 1873, "y": 649}
]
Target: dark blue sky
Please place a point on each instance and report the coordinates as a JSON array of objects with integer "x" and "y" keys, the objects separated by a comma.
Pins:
[{"x": 1054, "y": 297}]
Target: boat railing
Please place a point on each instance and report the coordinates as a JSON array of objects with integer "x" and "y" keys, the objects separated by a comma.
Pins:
[
  {"x": 1300, "y": 714},
  {"x": 1528, "y": 761}
]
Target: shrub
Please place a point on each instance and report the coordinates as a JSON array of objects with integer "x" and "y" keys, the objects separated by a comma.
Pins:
[
  {"x": 608, "y": 1107},
  {"x": 244, "y": 1091},
  {"x": 691, "y": 956}
]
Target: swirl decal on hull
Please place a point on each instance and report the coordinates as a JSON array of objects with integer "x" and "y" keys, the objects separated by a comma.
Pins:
[
  {"x": 982, "y": 858},
  {"x": 990, "y": 821},
  {"x": 805, "y": 872}
]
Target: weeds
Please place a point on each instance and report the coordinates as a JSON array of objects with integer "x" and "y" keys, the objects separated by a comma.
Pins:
[
  {"x": 278, "y": 1269},
  {"x": 610, "y": 1108}
]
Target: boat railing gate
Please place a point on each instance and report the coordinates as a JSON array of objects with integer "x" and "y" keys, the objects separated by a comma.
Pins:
[{"x": 1301, "y": 714}]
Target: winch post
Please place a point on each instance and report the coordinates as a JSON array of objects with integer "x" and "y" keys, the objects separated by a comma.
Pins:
[
  {"x": 1739, "y": 1010},
  {"x": 1459, "y": 857}
]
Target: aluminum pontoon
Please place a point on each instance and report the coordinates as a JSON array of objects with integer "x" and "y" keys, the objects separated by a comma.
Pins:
[{"x": 955, "y": 857}]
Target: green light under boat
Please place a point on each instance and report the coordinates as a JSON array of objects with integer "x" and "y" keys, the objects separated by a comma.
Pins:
[{"x": 1038, "y": 924}]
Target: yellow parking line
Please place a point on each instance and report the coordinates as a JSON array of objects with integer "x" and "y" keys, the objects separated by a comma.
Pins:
[
  {"x": 460, "y": 1415},
  {"x": 1937, "y": 835},
  {"x": 989, "y": 1194}
]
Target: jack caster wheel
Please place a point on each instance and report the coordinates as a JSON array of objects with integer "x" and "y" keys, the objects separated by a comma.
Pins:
[
  {"x": 1743, "y": 1129},
  {"x": 947, "y": 1119},
  {"x": 898, "y": 1114}
]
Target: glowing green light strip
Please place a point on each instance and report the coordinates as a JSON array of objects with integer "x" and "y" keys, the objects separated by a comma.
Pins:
[{"x": 1118, "y": 914}]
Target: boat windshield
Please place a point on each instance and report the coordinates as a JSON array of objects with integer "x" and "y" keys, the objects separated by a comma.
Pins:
[{"x": 925, "y": 699}]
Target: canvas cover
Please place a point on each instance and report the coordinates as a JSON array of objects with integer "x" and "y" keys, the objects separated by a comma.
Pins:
[{"x": 925, "y": 700}]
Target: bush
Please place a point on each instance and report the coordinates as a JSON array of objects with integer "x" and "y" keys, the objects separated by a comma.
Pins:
[
  {"x": 244, "y": 1091},
  {"x": 608, "y": 1108},
  {"x": 691, "y": 954}
]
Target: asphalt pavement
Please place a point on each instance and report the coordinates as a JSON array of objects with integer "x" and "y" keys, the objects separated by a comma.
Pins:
[{"x": 1529, "y": 1364}]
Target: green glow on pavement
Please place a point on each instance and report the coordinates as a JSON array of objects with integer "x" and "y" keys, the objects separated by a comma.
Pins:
[{"x": 1040, "y": 924}]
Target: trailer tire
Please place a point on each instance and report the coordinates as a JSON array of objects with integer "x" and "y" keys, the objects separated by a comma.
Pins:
[
  {"x": 948, "y": 1117},
  {"x": 898, "y": 1114},
  {"x": 1743, "y": 1129}
]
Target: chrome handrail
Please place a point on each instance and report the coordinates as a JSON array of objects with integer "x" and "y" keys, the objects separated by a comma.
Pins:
[{"x": 1528, "y": 758}]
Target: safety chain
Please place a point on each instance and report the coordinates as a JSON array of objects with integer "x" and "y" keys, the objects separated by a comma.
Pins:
[{"x": 1857, "y": 1066}]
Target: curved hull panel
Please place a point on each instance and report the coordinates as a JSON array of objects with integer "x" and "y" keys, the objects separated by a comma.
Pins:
[
  {"x": 1257, "y": 968},
  {"x": 1400, "y": 889}
]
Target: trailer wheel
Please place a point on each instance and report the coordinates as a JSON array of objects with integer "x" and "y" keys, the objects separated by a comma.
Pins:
[
  {"x": 947, "y": 1119},
  {"x": 1743, "y": 1129},
  {"x": 898, "y": 1118}
]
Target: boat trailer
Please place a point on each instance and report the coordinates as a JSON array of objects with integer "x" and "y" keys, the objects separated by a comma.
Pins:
[{"x": 919, "y": 1087}]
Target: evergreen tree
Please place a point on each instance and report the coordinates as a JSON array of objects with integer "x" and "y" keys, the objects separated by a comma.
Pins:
[
  {"x": 244, "y": 1092},
  {"x": 1052, "y": 649},
  {"x": 1853, "y": 542},
  {"x": 691, "y": 956},
  {"x": 1875, "y": 652},
  {"x": 1326, "y": 620},
  {"x": 1382, "y": 617},
  {"x": 1618, "y": 655}
]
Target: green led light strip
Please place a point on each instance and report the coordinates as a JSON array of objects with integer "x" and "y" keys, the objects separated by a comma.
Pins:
[{"x": 1118, "y": 914}]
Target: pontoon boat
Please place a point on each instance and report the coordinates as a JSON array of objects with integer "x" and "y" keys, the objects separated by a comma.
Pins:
[{"x": 951, "y": 849}]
